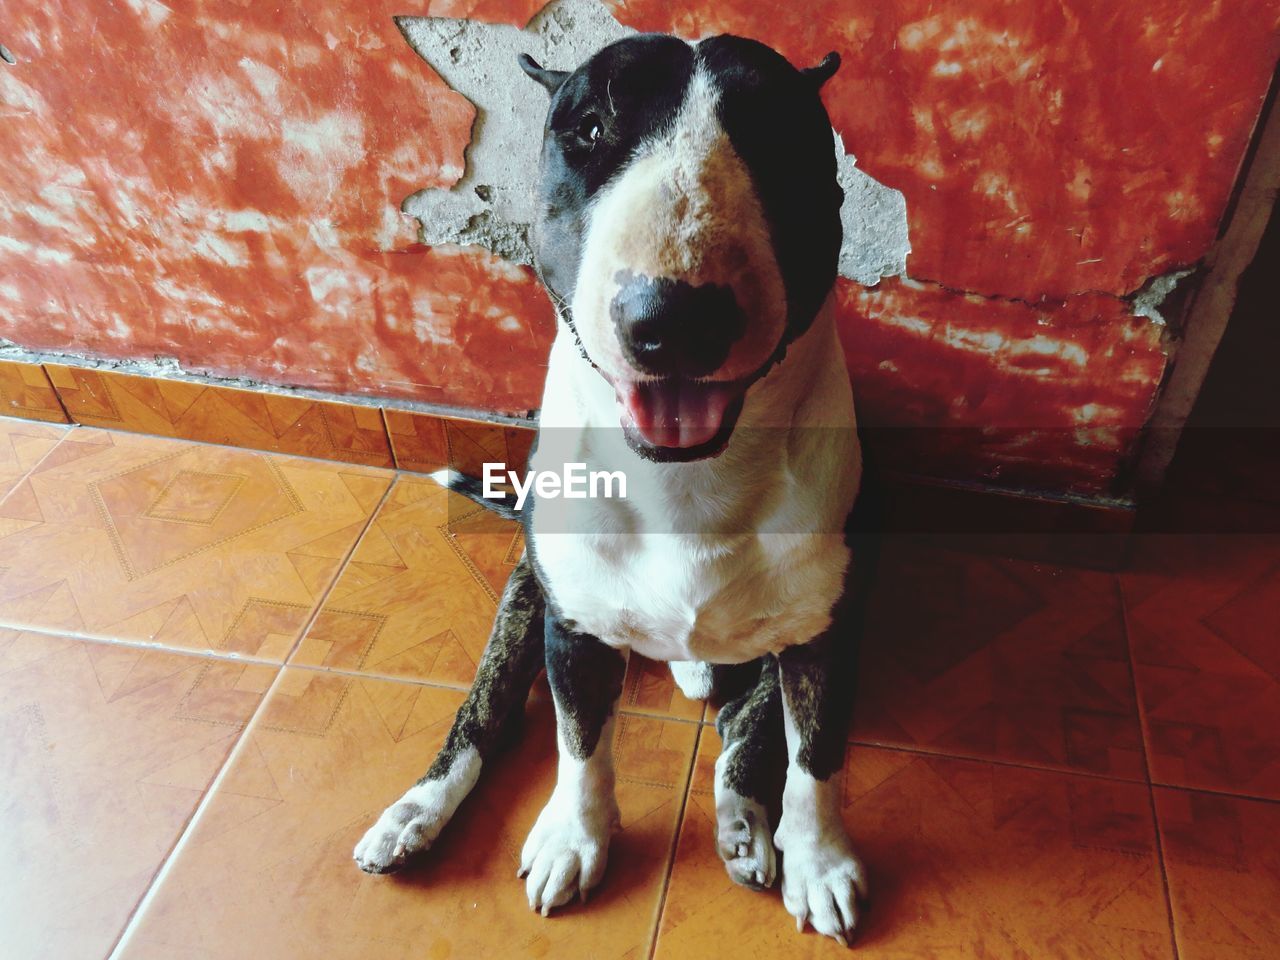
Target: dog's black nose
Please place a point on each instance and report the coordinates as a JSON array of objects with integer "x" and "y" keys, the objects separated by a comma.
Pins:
[{"x": 671, "y": 328}]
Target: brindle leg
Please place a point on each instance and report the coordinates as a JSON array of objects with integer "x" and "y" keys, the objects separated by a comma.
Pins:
[
  {"x": 567, "y": 848},
  {"x": 494, "y": 705},
  {"x": 750, "y": 728},
  {"x": 822, "y": 877}
]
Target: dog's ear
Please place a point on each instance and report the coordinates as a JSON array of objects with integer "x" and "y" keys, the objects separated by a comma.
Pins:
[
  {"x": 824, "y": 71},
  {"x": 551, "y": 79}
]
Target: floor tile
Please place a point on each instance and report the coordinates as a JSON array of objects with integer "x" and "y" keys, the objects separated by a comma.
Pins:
[
  {"x": 105, "y": 751},
  {"x": 966, "y": 859},
  {"x": 425, "y": 442},
  {"x": 186, "y": 545},
  {"x": 419, "y": 596},
  {"x": 25, "y": 392},
  {"x": 982, "y": 656},
  {"x": 217, "y": 414},
  {"x": 1222, "y": 856},
  {"x": 23, "y": 444},
  {"x": 267, "y": 870},
  {"x": 1204, "y": 623}
]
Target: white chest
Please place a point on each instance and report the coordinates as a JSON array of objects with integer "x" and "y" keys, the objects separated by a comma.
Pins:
[
  {"x": 676, "y": 597},
  {"x": 792, "y": 465}
]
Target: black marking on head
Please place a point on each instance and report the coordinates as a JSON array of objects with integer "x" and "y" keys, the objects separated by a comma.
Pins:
[
  {"x": 670, "y": 328},
  {"x": 778, "y": 126},
  {"x": 772, "y": 114},
  {"x": 586, "y": 679},
  {"x": 549, "y": 79},
  {"x": 599, "y": 114},
  {"x": 510, "y": 663}
]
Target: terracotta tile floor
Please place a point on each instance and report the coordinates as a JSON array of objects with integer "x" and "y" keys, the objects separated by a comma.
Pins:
[{"x": 217, "y": 666}]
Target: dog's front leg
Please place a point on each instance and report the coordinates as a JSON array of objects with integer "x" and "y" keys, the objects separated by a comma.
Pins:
[
  {"x": 822, "y": 877},
  {"x": 567, "y": 848},
  {"x": 493, "y": 708}
]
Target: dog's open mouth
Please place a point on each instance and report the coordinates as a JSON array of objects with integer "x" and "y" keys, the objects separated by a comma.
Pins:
[{"x": 677, "y": 419}]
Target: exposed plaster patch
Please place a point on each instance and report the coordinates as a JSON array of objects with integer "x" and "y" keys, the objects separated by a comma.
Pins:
[
  {"x": 493, "y": 203},
  {"x": 875, "y": 224},
  {"x": 1148, "y": 298}
]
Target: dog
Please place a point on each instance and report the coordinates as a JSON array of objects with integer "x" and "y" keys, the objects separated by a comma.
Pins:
[{"x": 688, "y": 233}]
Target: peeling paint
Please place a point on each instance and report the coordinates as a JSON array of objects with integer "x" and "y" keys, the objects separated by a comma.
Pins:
[{"x": 493, "y": 205}]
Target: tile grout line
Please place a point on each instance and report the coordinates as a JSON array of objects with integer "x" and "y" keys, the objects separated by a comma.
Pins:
[
  {"x": 47, "y": 454},
  {"x": 675, "y": 844},
  {"x": 337, "y": 574},
  {"x": 57, "y": 394},
  {"x": 206, "y": 799},
  {"x": 221, "y": 657},
  {"x": 1146, "y": 768},
  {"x": 288, "y": 454},
  {"x": 996, "y": 761},
  {"x": 188, "y": 828},
  {"x": 1210, "y": 791},
  {"x": 207, "y": 654},
  {"x": 1063, "y": 771},
  {"x": 386, "y": 432}
]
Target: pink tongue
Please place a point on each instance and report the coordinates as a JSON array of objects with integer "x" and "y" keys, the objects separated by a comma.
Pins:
[{"x": 677, "y": 413}]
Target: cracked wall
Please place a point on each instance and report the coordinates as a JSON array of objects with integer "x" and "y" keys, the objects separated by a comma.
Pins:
[{"x": 223, "y": 184}]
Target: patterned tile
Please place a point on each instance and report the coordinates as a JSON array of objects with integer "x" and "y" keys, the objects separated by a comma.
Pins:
[
  {"x": 105, "y": 751},
  {"x": 966, "y": 859},
  {"x": 23, "y": 444},
  {"x": 241, "y": 418},
  {"x": 1222, "y": 857},
  {"x": 268, "y": 866},
  {"x": 418, "y": 598},
  {"x": 186, "y": 545},
  {"x": 425, "y": 442},
  {"x": 1002, "y": 659},
  {"x": 25, "y": 392},
  {"x": 1204, "y": 622}
]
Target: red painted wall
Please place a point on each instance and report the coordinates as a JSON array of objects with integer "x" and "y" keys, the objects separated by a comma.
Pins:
[{"x": 220, "y": 182}]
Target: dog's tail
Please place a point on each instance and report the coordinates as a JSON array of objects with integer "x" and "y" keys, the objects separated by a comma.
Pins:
[{"x": 473, "y": 489}]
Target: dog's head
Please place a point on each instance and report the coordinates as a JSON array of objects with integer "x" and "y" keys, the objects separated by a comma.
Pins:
[{"x": 688, "y": 224}]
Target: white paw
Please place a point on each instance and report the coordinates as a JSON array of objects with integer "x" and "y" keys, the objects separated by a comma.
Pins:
[
  {"x": 744, "y": 843},
  {"x": 405, "y": 828},
  {"x": 822, "y": 882},
  {"x": 695, "y": 679},
  {"x": 413, "y": 822},
  {"x": 566, "y": 852}
]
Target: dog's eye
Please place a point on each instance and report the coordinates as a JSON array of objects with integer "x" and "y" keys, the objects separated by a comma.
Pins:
[{"x": 589, "y": 130}]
